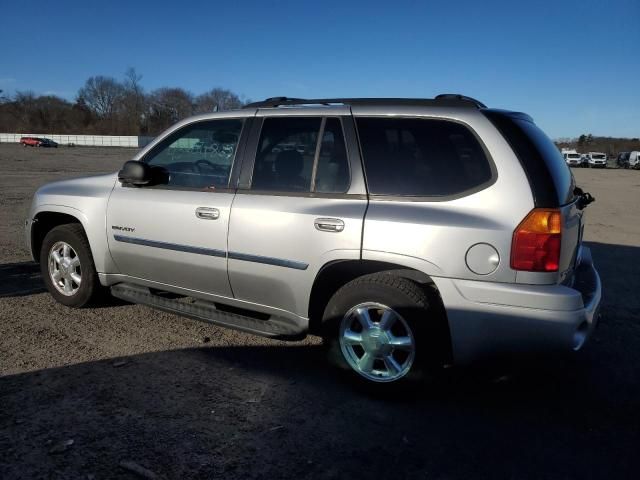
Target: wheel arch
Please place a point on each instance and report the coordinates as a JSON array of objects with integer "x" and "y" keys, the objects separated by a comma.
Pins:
[
  {"x": 333, "y": 275},
  {"x": 337, "y": 273},
  {"x": 44, "y": 222}
]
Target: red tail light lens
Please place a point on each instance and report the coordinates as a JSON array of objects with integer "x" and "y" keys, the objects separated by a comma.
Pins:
[{"x": 537, "y": 241}]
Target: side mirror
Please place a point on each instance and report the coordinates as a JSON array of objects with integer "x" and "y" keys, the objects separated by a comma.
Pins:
[{"x": 135, "y": 173}]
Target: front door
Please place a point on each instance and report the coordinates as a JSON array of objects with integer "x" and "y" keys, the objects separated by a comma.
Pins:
[{"x": 175, "y": 233}]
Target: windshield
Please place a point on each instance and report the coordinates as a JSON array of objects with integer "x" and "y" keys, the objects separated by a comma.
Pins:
[
  {"x": 574, "y": 155},
  {"x": 597, "y": 157}
]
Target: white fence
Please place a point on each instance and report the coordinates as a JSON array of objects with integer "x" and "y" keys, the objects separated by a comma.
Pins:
[{"x": 87, "y": 140}]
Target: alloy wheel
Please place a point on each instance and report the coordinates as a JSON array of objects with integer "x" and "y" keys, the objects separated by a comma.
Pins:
[
  {"x": 64, "y": 268},
  {"x": 377, "y": 342}
]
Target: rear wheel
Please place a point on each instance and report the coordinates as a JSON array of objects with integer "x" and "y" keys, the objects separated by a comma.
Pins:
[
  {"x": 383, "y": 329},
  {"x": 67, "y": 266}
]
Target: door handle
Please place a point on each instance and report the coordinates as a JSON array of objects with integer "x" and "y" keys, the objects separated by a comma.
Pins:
[
  {"x": 329, "y": 224},
  {"x": 206, "y": 213}
]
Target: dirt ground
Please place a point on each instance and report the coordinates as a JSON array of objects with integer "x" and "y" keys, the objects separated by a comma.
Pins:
[{"x": 111, "y": 391}]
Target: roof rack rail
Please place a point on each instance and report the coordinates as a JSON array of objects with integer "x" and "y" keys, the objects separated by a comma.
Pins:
[
  {"x": 446, "y": 99},
  {"x": 457, "y": 96}
]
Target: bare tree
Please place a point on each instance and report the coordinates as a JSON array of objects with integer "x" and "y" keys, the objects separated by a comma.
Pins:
[
  {"x": 217, "y": 99},
  {"x": 21, "y": 109},
  {"x": 168, "y": 106},
  {"x": 133, "y": 101},
  {"x": 102, "y": 95}
]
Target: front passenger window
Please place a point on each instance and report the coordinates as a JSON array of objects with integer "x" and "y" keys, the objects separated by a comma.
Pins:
[{"x": 198, "y": 156}]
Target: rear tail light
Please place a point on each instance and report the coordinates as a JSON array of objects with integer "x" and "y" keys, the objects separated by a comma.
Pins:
[{"x": 537, "y": 240}]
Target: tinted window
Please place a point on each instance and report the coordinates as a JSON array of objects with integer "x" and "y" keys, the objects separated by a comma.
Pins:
[
  {"x": 421, "y": 157},
  {"x": 287, "y": 151},
  {"x": 199, "y": 155},
  {"x": 332, "y": 171},
  {"x": 549, "y": 176}
]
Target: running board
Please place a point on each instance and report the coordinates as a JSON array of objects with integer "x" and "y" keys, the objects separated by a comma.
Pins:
[{"x": 275, "y": 327}]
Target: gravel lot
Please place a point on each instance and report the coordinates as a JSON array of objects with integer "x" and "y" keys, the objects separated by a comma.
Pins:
[{"x": 99, "y": 393}]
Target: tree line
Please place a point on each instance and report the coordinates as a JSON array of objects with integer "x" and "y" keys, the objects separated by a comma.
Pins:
[
  {"x": 591, "y": 143},
  {"x": 108, "y": 106}
]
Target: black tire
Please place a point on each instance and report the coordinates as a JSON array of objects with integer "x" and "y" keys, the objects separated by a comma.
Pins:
[
  {"x": 89, "y": 288},
  {"x": 417, "y": 305}
]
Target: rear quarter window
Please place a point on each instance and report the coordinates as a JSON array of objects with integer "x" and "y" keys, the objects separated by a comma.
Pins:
[
  {"x": 549, "y": 176},
  {"x": 418, "y": 157}
]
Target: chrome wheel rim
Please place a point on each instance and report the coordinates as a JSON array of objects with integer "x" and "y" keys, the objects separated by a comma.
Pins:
[
  {"x": 377, "y": 342},
  {"x": 64, "y": 268}
]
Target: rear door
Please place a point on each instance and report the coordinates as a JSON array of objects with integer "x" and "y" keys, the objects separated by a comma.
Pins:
[{"x": 300, "y": 205}]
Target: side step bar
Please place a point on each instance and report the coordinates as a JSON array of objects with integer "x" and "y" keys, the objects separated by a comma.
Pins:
[{"x": 275, "y": 327}]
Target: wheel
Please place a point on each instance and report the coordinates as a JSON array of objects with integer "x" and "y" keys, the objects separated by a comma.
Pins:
[
  {"x": 67, "y": 266},
  {"x": 383, "y": 329}
]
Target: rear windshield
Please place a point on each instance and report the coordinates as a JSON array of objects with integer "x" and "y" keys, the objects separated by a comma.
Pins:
[
  {"x": 418, "y": 157},
  {"x": 549, "y": 175}
]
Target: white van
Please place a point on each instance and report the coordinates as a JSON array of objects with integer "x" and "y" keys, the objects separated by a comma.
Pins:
[
  {"x": 597, "y": 160},
  {"x": 634, "y": 159},
  {"x": 572, "y": 157}
]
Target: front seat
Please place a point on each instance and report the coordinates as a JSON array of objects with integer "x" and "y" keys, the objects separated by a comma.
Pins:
[{"x": 288, "y": 166}]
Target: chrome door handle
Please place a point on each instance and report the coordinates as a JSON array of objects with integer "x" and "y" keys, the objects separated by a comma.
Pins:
[
  {"x": 329, "y": 224},
  {"x": 206, "y": 213}
]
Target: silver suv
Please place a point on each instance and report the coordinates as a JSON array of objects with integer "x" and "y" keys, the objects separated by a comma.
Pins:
[{"x": 410, "y": 234}]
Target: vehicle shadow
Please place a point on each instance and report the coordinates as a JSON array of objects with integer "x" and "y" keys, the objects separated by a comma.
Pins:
[
  {"x": 20, "y": 279},
  {"x": 618, "y": 269},
  {"x": 24, "y": 278},
  {"x": 281, "y": 412}
]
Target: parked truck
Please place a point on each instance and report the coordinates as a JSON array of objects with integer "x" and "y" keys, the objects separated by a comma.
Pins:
[{"x": 571, "y": 157}]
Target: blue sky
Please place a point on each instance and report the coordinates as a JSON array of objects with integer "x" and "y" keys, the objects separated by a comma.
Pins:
[{"x": 574, "y": 65}]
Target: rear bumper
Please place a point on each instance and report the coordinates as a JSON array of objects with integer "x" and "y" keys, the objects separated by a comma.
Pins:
[{"x": 491, "y": 319}]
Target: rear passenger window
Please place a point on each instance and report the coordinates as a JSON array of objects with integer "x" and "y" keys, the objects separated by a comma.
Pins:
[
  {"x": 421, "y": 157},
  {"x": 286, "y": 151},
  {"x": 301, "y": 154},
  {"x": 332, "y": 171}
]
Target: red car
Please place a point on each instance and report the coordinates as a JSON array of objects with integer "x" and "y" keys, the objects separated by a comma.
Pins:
[{"x": 38, "y": 142}]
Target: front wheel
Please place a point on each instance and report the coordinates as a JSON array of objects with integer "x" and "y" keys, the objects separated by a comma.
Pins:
[
  {"x": 67, "y": 266},
  {"x": 383, "y": 329}
]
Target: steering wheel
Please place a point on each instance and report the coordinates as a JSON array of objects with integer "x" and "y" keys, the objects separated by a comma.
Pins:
[{"x": 202, "y": 162}]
